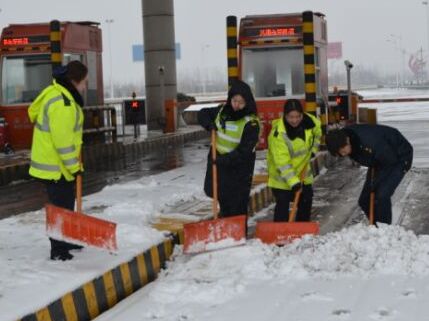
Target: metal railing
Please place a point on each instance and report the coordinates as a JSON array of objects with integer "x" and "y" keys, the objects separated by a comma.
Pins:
[{"x": 100, "y": 124}]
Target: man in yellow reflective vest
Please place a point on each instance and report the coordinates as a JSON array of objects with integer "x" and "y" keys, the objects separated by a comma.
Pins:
[
  {"x": 292, "y": 141},
  {"x": 237, "y": 132},
  {"x": 57, "y": 139}
]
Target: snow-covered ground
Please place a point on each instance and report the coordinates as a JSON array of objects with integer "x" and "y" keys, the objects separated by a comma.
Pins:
[
  {"x": 29, "y": 280},
  {"x": 359, "y": 273},
  {"x": 393, "y": 93}
]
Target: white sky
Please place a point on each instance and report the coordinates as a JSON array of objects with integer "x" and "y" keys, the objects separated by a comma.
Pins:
[{"x": 364, "y": 26}]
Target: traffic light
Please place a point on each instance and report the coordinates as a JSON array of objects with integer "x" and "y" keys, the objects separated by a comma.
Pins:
[
  {"x": 342, "y": 106},
  {"x": 135, "y": 111}
]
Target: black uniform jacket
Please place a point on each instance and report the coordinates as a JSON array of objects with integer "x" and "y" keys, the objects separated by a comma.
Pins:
[{"x": 380, "y": 147}]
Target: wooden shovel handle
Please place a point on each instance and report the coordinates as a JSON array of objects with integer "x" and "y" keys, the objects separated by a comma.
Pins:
[
  {"x": 214, "y": 175},
  {"x": 79, "y": 189},
  {"x": 292, "y": 214},
  {"x": 372, "y": 199}
]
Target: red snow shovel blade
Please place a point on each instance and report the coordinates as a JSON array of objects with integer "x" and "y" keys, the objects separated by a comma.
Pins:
[
  {"x": 281, "y": 233},
  {"x": 67, "y": 225},
  {"x": 197, "y": 236}
]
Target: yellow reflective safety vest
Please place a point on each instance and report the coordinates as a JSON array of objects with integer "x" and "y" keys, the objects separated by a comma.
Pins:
[
  {"x": 287, "y": 158},
  {"x": 57, "y": 135},
  {"x": 229, "y": 138}
]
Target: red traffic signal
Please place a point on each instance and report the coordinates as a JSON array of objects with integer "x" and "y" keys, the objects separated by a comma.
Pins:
[{"x": 338, "y": 100}]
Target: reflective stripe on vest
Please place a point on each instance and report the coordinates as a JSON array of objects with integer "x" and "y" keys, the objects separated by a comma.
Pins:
[
  {"x": 45, "y": 167},
  {"x": 229, "y": 138},
  {"x": 44, "y": 127},
  {"x": 71, "y": 161},
  {"x": 76, "y": 125},
  {"x": 66, "y": 150},
  {"x": 292, "y": 152}
]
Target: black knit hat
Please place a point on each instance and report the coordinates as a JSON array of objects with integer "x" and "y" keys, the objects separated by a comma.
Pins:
[
  {"x": 292, "y": 105},
  {"x": 335, "y": 140}
]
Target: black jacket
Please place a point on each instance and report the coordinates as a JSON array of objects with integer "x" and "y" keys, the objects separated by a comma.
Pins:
[
  {"x": 380, "y": 147},
  {"x": 235, "y": 169}
]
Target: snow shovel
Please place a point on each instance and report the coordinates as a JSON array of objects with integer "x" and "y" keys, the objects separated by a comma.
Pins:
[
  {"x": 67, "y": 225},
  {"x": 281, "y": 233},
  {"x": 372, "y": 200},
  {"x": 200, "y": 236}
]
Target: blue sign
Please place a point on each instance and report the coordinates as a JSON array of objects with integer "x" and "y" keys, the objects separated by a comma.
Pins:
[{"x": 138, "y": 52}]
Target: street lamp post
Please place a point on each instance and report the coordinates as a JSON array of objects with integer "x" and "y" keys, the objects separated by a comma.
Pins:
[
  {"x": 426, "y": 3},
  {"x": 203, "y": 69},
  {"x": 349, "y": 66},
  {"x": 401, "y": 50},
  {"x": 396, "y": 41},
  {"x": 109, "y": 22}
]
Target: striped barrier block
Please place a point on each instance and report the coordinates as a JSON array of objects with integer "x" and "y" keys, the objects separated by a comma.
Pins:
[{"x": 102, "y": 293}]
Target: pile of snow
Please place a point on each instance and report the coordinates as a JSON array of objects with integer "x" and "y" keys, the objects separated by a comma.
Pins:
[
  {"x": 356, "y": 251},
  {"x": 359, "y": 273}
]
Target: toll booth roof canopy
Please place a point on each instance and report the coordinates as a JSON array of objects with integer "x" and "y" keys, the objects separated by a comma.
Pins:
[
  {"x": 279, "y": 15},
  {"x": 274, "y": 15},
  {"x": 82, "y": 23}
]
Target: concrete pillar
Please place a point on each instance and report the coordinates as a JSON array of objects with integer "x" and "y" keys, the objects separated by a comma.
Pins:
[{"x": 160, "y": 60}]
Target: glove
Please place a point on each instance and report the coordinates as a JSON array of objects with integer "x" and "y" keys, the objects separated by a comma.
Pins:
[
  {"x": 75, "y": 174},
  {"x": 211, "y": 126},
  {"x": 296, "y": 187}
]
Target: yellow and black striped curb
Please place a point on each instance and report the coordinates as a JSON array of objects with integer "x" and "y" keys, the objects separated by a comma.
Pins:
[
  {"x": 100, "y": 294},
  {"x": 260, "y": 197}
]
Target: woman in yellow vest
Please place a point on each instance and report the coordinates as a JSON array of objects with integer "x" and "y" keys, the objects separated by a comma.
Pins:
[
  {"x": 292, "y": 141},
  {"x": 57, "y": 139},
  {"x": 237, "y": 129}
]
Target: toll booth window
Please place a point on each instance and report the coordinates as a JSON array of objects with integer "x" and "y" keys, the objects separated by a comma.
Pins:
[
  {"x": 273, "y": 72},
  {"x": 24, "y": 77}
]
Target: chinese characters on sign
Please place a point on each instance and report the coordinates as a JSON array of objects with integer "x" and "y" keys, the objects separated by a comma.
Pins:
[
  {"x": 15, "y": 41},
  {"x": 277, "y": 32}
]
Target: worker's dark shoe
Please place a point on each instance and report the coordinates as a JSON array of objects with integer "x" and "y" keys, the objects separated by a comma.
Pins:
[
  {"x": 61, "y": 255},
  {"x": 72, "y": 246}
]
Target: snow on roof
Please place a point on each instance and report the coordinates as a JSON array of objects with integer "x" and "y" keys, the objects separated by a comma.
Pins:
[{"x": 197, "y": 107}]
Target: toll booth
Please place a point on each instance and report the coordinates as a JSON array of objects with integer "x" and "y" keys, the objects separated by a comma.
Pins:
[
  {"x": 280, "y": 56},
  {"x": 25, "y": 64}
]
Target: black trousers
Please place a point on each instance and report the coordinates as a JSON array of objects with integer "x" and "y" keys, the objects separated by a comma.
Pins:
[
  {"x": 285, "y": 197},
  {"x": 389, "y": 179},
  {"x": 232, "y": 205},
  {"x": 61, "y": 193}
]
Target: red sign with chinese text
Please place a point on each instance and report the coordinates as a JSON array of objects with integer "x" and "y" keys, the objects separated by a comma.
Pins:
[
  {"x": 277, "y": 32},
  {"x": 15, "y": 41}
]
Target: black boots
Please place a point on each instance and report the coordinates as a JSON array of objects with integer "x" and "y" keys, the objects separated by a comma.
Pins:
[
  {"x": 63, "y": 256},
  {"x": 60, "y": 250}
]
